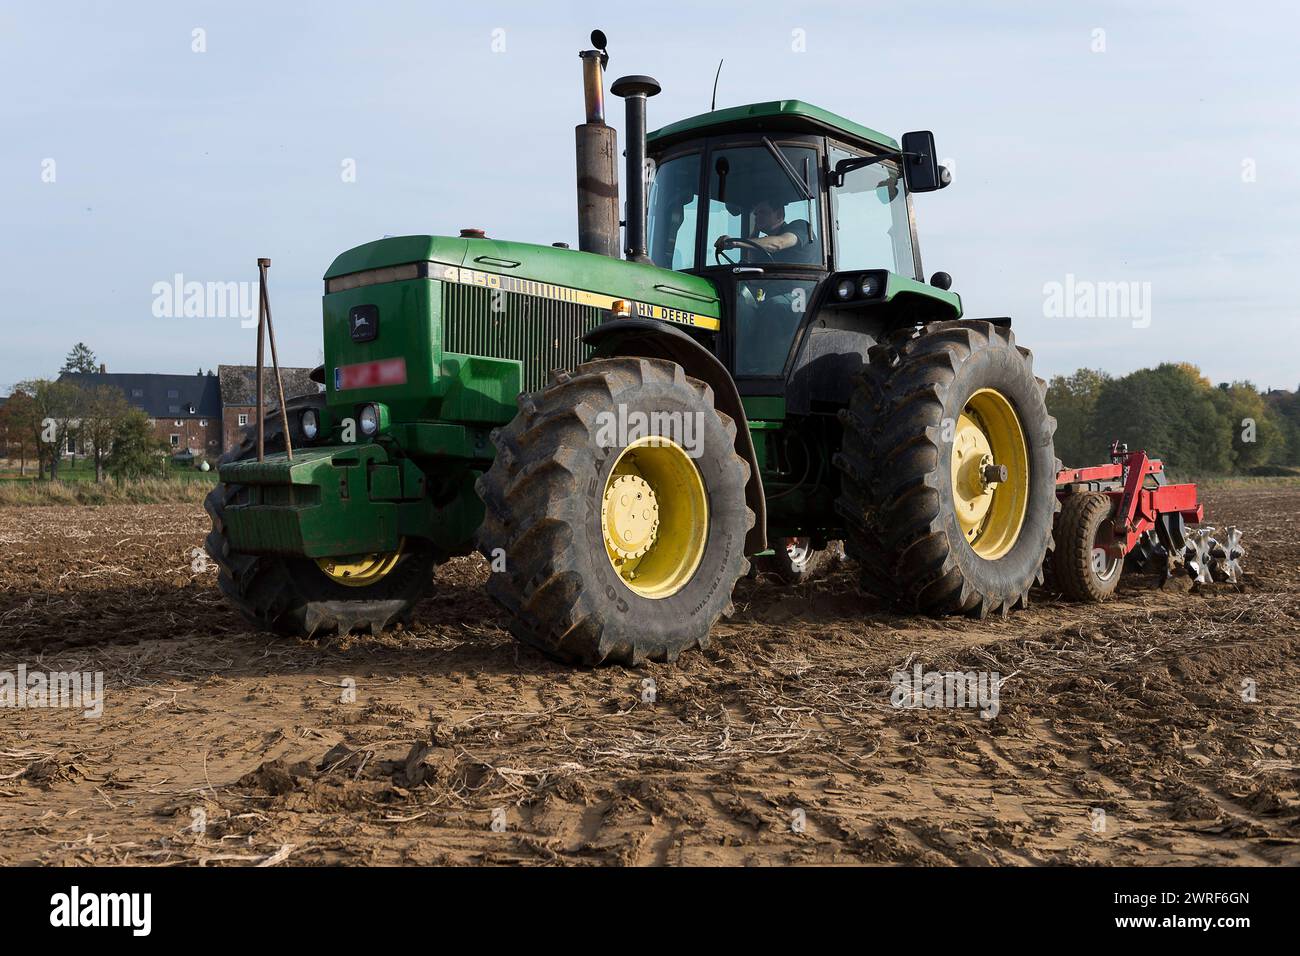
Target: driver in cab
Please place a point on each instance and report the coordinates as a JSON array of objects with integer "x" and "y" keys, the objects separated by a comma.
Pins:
[
  {"x": 772, "y": 233},
  {"x": 780, "y": 240}
]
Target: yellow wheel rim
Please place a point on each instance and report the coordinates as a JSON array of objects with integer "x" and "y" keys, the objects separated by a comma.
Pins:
[
  {"x": 988, "y": 437},
  {"x": 361, "y": 570},
  {"x": 654, "y": 517}
]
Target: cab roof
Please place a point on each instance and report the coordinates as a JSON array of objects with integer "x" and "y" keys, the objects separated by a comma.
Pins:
[{"x": 777, "y": 115}]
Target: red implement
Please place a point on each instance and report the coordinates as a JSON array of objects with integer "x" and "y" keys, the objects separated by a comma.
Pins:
[{"x": 1136, "y": 502}]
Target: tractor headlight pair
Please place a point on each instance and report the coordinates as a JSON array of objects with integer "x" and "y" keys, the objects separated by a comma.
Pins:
[{"x": 866, "y": 286}]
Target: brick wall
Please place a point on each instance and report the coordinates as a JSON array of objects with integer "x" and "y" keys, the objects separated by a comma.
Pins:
[
  {"x": 203, "y": 435},
  {"x": 232, "y": 432}
]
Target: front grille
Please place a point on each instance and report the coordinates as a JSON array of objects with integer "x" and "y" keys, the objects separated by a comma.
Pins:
[{"x": 543, "y": 334}]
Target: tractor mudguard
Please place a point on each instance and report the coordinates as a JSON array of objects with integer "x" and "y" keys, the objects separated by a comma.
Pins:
[{"x": 649, "y": 338}]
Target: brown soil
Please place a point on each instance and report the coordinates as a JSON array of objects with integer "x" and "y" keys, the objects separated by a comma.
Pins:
[{"x": 1133, "y": 708}]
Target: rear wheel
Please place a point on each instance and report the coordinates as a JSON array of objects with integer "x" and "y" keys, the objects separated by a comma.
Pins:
[
  {"x": 301, "y": 596},
  {"x": 1083, "y": 568},
  {"x": 949, "y": 472},
  {"x": 615, "y": 546}
]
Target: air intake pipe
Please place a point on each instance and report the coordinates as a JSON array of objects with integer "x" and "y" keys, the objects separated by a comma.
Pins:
[
  {"x": 635, "y": 90},
  {"x": 597, "y": 153}
]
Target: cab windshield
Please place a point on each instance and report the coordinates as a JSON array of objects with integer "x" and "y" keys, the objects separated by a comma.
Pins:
[{"x": 765, "y": 201}]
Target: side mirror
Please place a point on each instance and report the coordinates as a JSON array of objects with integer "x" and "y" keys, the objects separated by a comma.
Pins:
[{"x": 920, "y": 164}]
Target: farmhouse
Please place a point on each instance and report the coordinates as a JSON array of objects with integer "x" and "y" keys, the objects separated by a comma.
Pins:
[{"x": 200, "y": 415}]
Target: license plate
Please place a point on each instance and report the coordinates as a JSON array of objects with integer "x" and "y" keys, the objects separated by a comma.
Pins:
[{"x": 390, "y": 371}]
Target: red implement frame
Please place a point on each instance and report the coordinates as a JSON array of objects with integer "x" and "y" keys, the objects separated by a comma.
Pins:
[{"x": 1134, "y": 506}]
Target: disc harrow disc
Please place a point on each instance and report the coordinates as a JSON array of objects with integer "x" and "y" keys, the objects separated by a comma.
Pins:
[
  {"x": 1226, "y": 555},
  {"x": 1196, "y": 559}
]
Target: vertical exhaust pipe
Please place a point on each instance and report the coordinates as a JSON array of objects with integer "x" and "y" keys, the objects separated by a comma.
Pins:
[
  {"x": 597, "y": 153},
  {"x": 635, "y": 90}
]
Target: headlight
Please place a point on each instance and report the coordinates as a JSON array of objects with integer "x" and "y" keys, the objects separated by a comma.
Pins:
[
  {"x": 310, "y": 423},
  {"x": 845, "y": 289},
  {"x": 369, "y": 419},
  {"x": 870, "y": 286}
]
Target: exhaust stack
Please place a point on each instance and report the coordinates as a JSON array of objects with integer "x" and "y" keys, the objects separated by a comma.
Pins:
[
  {"x": 635, "y": 90},
  {"x": 597, "y": 153}
]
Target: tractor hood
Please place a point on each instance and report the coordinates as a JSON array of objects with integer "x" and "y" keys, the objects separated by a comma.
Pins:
[{"x": 553, "y": 272}]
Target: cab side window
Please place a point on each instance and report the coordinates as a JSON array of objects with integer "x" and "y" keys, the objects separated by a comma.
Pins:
[
  {"x": 673, "y": 206},
  {"x": 869, "y": 211}
]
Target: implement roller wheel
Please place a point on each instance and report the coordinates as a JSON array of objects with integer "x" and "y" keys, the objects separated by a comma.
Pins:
[{"x": 1082, "y": 568}]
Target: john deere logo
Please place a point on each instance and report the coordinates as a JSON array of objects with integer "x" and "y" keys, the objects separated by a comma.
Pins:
[{"x": 363, "y": 323}]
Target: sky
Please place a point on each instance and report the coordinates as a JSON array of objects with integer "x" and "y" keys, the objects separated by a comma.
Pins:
[{"x": 1151, "y": 147}]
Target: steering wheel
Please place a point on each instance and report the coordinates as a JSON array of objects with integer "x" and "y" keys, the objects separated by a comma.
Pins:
[{"x": 726, "y": 242}]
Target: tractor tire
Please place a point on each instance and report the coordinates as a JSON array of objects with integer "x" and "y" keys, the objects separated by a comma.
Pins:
[
  {"x": 293, "y": 596},
  {"x": 926, "y": 396},
  {"x": 556, "y": 498},
  {"x": 1081, "y": 570}
]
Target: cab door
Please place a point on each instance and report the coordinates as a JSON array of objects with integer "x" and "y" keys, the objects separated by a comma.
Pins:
[{"x": 764, "y": 191}]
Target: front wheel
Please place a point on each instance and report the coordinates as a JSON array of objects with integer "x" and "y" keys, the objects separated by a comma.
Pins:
[
  {"x": 301, "y": 596},
  {"x": 615, "y": 512},
  {"x": 949, "y": 475}
]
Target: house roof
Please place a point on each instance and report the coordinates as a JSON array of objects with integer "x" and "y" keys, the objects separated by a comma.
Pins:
[
  {"x": 159, "y": 396},
  {"x": 239, "y": 384}
]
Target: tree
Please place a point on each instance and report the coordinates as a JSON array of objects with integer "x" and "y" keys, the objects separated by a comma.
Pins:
[
  {"x": 1258, "y": 438},
  {"x": 19, "y": 425},
  {"x": 55, "y": 407},
  {"x": 1170, "y": 412},
  {"x": 80, "y": 359},
  {"x": 1286, "y": 409},
  {"x": 1072, "y": 400},
  {"x": 136, "y": 451},
  {"x": 103, "y": 410}
]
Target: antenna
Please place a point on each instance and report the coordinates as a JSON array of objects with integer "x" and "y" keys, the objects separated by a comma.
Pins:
[{"x": 713, "y": 105}]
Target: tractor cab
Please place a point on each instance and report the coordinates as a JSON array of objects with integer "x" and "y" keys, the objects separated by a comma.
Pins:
[{"x": 780, "y": 204}]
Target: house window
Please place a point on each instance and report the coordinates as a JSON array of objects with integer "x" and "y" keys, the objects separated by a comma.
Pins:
[
  {"x": 243, "y": 419},
  {"x": 203, "y": 423},
  {"x": 179, "y": 423},
  {"x": 173, "y": 393},
  {"x": 137, "y": 393},
  {"x": 176, "y": 441},
  {"x": 174, "y": 409}
]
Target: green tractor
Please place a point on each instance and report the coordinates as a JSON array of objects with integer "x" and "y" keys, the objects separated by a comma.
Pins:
[{"x": 764, "y": 371}]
